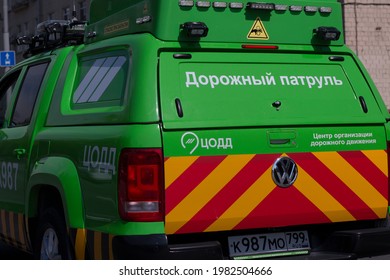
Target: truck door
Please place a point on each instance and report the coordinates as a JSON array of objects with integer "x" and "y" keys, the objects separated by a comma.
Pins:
[{"x": 18, "y": 95}]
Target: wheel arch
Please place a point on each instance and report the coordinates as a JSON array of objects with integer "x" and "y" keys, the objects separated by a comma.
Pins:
[{"x": 56, "y": 176}]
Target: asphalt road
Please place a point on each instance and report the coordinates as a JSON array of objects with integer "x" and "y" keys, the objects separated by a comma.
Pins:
[{"x": 9, "y": 253}]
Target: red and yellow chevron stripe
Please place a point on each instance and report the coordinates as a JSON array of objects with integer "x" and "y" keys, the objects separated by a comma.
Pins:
[{"x": 215, "y": 193}]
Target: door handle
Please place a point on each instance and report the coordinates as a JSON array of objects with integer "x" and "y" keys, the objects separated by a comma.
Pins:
[
  {"x": 282, "y": 138},
  {"x": 19, "y": 153}
]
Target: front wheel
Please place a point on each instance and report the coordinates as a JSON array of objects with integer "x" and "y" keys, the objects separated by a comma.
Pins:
[{"x": 52, "y": 241}]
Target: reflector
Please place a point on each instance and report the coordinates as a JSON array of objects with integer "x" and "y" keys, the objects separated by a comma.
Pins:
[{"x": 260, "y": 6}]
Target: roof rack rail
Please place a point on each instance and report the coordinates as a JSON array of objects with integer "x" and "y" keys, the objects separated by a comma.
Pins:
[{"x": 52, "y": 34}]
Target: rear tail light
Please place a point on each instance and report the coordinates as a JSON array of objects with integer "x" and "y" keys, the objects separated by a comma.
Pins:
[{"x": 140, "y": 186}]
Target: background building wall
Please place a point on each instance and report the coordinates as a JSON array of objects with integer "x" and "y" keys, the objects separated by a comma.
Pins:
[
  {"x": 367, "y": 32},
  {"x": 24, "y": 16}
]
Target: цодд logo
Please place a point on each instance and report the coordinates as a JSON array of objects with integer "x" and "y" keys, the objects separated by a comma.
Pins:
[{"x": 284, "y": 172}]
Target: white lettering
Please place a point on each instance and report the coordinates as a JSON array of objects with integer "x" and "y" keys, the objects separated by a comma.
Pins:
[
  {"x": 353, "y": 135},
  {"x": 302, "y": 79},
  {"x": 103, "y": 159},
  {"x": 284, "y": 80},
  {"x": 246, "y": 79},
  {"x": 310, "y": 81},
  {"x": 337, "y": 82},
  {"x": 214, "y": 81},
  {"x": 94, "y": 161},
  {"x": 212, "y": 143},
  {"x": 327, "y": 143},
  {"x": 100, "y": 159},
  {"x": 87, "y": 156},
  {"x": 294, "y": 81},
  {"x": 224, "y": 143},
  {"x": 255, "y": 81},
  {"x": 229, "y": 143},
  {"x": 270, "y": 80},
  {"x": 328, "y": 80},
  {"x": 191, "y": 79},
  {"x": 322, "y": 136},
  {"x": 319, "y": 81},
  {"x": 203, "y": 80},
  {"x": 204, "y": 144},
  {"x": 235, "y": 80},
  {"x": 224, "y": 80},
  {"x": 112, "y": 160},
  {"x": 221, "y": 143},
  {"x": 192, "y": 141},
  {"x": 361, "y": 142},
  {"x": 9, "y": 175}
]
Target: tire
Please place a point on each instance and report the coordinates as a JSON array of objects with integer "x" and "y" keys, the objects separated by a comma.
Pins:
[{"x": 52, "y": 241}]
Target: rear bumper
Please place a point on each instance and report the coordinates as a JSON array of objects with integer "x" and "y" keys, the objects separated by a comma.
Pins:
[
  {"x": 362, "y": 242},
  {"x": 156, "y": 247},
  {"x": 343, "y": 244}
]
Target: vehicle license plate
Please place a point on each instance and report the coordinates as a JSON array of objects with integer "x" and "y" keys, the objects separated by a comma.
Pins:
[{"x": 268, "y": 243}]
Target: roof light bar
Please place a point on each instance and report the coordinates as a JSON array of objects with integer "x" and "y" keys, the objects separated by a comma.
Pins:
[
  {"x": 186, "y": 3},
  {"x": 195, "y": 29},
  {"x": 203, "y": 4},
  {"x": 327, "y": 33},
  {"x": 281, "y": 7},
  {"x": 219, "y": 4},
  {"x": 311, "y": 9},
  {"x": 236, "y": 5},
  {"x": 294, "y": 8},
  {"x": 325, "y": 10},
  {"x": 260, "y": 6}
]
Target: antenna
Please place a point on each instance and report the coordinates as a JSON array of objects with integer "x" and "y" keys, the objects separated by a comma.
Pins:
[{"x": 74, "y": 13}]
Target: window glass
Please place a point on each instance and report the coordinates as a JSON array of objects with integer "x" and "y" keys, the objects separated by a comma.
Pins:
[
  {"x": 28, "y": 94},
  {"x": 6, "y": 89},
  {"x": 101, "y": 81}
]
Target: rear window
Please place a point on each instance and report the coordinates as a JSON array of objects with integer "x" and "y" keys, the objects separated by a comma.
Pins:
[{"x": 101, "y": 81}]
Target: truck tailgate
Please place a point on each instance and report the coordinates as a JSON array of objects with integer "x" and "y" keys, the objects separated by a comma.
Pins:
[{"x": 255, "y": 141}]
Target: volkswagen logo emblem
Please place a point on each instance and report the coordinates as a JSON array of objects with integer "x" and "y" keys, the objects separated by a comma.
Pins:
[{"x": 284, "y": 172}]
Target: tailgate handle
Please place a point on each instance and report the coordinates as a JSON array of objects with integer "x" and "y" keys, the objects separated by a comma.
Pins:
[
  {"x": 279, "y": 141},
  {"x": 179, "y": 108},
  {"x": 285, "y": 139},
  {"x": 363, "y": 104}
]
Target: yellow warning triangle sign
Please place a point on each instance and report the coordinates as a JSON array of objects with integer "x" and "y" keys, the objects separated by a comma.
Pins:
[{"x": 258, "y": 31}]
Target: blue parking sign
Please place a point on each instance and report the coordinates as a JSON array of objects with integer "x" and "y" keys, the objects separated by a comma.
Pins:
[{"x": 7, "y": 58}]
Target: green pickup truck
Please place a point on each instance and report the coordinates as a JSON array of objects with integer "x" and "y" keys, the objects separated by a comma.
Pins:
[{"x": 194, "y": 130}]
